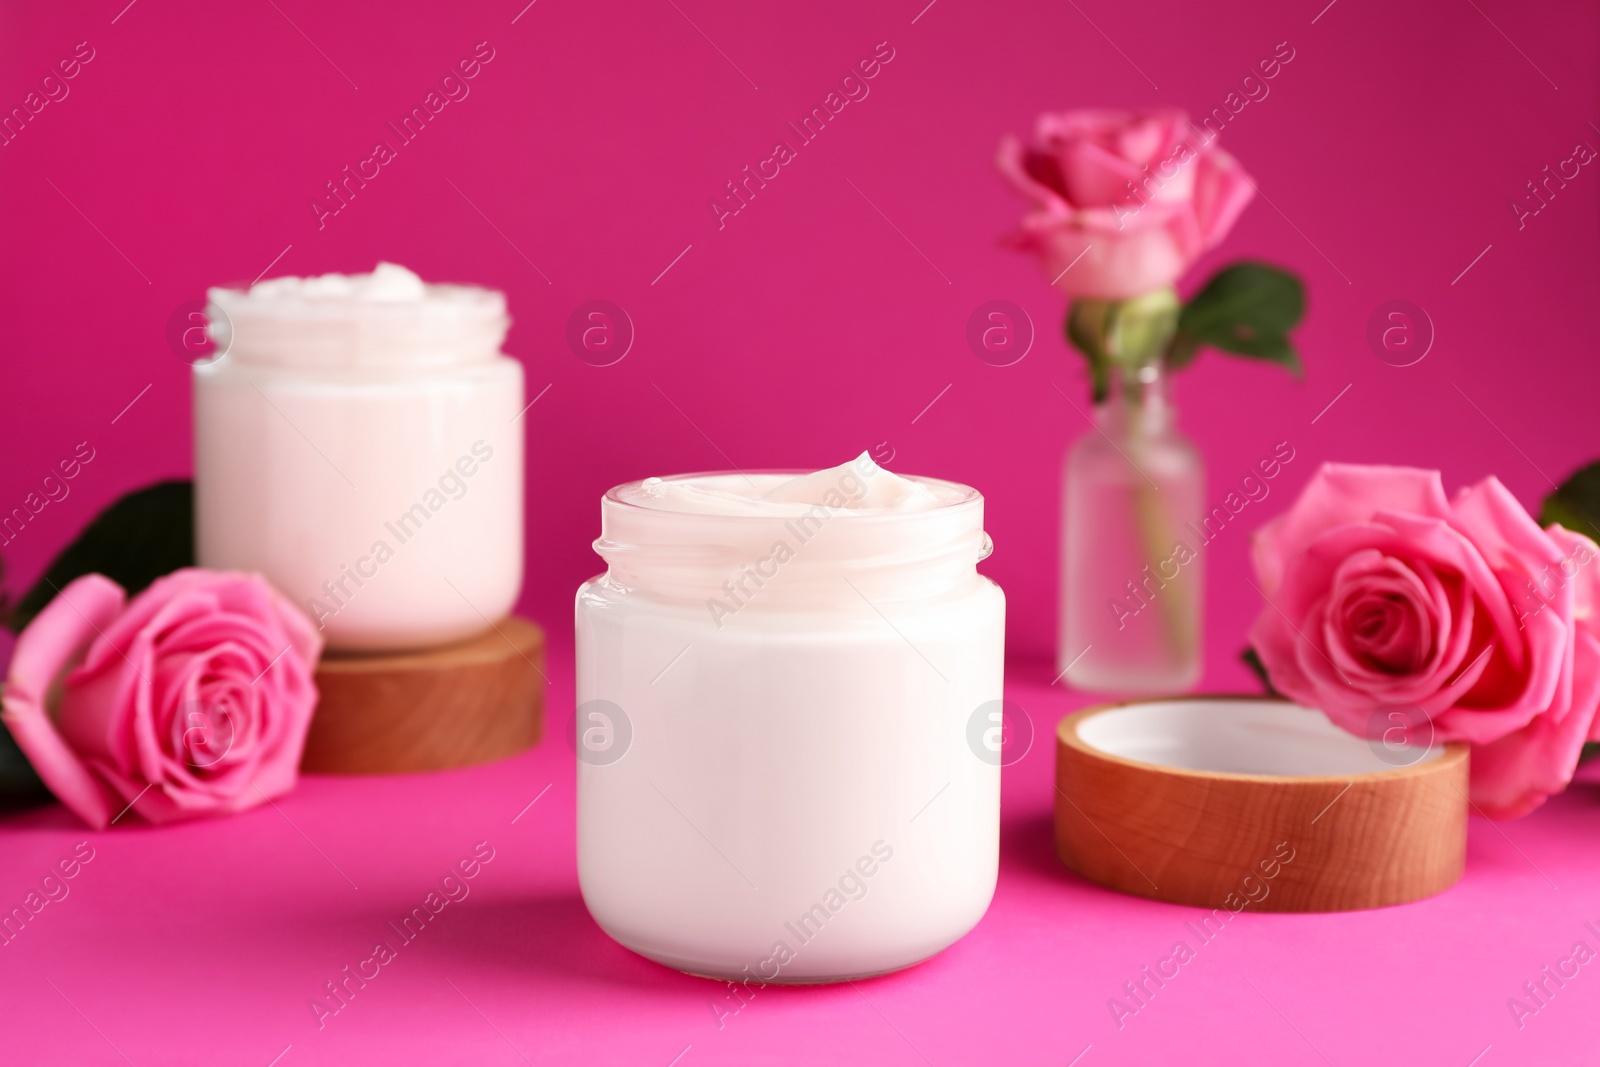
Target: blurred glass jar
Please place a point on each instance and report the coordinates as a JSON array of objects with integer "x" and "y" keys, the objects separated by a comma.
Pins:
[
  {"x": 357, "y": 442},
  {"x": 776, "y": 781}
]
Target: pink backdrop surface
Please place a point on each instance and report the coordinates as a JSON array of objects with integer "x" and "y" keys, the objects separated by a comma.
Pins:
[{"x": 828, "y": 316}]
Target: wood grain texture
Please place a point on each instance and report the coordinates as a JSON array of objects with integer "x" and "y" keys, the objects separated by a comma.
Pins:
[
  {"x": 1193, "y": 837},
  {"x": 479, "y": 700}
]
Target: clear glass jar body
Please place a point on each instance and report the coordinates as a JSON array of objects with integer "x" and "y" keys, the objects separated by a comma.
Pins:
[
  {"x": 379, "y": 486},
  {"x": 1132, "y": 575},
  {"x": 788, "y": 794}
]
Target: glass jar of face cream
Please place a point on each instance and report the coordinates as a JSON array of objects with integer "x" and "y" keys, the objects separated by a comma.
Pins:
[
  {"x": 777, "y": 676},
  {"x": 358, "y": 444}
]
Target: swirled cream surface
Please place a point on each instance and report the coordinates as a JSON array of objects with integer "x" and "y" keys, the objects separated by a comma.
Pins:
[
  {"x": 389, "y": 318},
  {"x": 857, "y": 486},
  {"x": 388, "y": 282}
]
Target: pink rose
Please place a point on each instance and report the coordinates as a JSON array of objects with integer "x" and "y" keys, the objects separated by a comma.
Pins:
[
  {"x": 1144, "y": 192},
  {"x": 1384, "y": 597},
  {"x": 193, "y": 699}
]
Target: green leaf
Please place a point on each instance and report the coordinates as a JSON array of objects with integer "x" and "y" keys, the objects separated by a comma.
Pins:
[
  {"x": 1247, "y": 309},
  {"x": 1262, "y": 297},
  {"x": 1591, "y": 749},
  {"x": 1182, "y": 351},
  {"x": 1273, "y": 348},
  {"x": 1576, "y": 503},
  {"x": 142, "y": 536},
  {"x": 1253, "y": 661}
]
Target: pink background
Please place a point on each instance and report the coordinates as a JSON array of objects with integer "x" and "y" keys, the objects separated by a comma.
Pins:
[{"x": 818, "y": 322}]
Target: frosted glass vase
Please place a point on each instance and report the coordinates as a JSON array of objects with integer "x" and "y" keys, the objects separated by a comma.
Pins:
[{"x": 1132, "y": 574}]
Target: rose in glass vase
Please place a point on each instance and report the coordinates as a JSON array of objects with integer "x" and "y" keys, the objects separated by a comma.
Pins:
[{"x": 1123, "y": 204}]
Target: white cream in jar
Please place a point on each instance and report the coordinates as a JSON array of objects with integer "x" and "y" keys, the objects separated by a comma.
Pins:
[
  {"x": 358, "y": 444},
  {"x": 776, "y": 678}
]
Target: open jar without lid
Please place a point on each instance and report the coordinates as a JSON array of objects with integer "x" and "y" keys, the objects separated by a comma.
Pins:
[
  {"x": 357, "y": 443},
  {"x": 776, "y": 679}
]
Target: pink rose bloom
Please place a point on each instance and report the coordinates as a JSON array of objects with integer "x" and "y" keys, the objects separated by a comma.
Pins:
[
  {"x": 193, "y": 699},
  {"x": 1144, "y": 192},
  {"x": 1385, "y": 596}
]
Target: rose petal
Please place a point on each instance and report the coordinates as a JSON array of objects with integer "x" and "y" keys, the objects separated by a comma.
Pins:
[
  {"x": 1515, "y": 774},
  {"x": 1222, "y": 190},
  {"x": 1027, "y": 171},
  {"x": 1502, "y": 529},
  {"x": 56, "y": 637},
  {"x": 1339, "y": 494},
  {"x": 1578, "y": 569},
  {"x": 1095, "y": 176},
  {"x": 1078, "y": 258}
]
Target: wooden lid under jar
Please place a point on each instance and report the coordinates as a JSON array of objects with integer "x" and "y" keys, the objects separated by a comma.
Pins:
[{"x": 477, "y": 700}]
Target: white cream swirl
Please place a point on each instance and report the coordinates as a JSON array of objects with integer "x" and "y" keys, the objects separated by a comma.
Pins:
[
  {"x": 388, "y": 282},
  {"x": 388, "y": 320},
  {"x": 857, "y": 486}
]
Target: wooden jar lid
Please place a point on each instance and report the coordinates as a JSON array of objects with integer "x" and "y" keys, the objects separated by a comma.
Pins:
[
  {"x": 460, "y": 704},
  {"x": 1235, "y": 801}
]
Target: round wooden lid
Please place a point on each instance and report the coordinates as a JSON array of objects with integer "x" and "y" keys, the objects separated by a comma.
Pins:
[{"x": 1237, "y": 802}]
